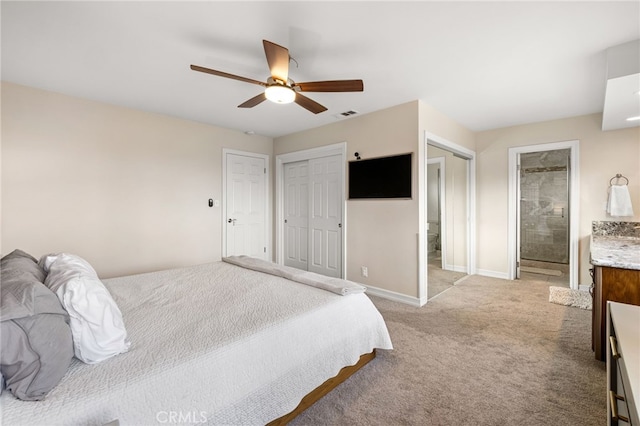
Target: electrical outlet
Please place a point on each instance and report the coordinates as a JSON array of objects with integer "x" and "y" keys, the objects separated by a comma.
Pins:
[{"x": 364, "y": 271}]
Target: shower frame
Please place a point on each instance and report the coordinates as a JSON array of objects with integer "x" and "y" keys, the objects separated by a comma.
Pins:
[{"x": 513, "y": 234}]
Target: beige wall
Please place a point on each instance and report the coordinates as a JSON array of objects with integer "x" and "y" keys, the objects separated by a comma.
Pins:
[
  {"x": 602, "y": 155},
  {"x": 125, "y": 189},
  {"x": 437, "y": 123},
  {"x": 381, "y": 234}
]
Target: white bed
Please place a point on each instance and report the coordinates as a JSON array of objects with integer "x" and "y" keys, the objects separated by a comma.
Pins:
[{"x": 213, "y": 343}]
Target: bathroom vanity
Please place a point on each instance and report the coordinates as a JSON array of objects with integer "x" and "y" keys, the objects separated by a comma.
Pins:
[{"x": 615, "y": 256}]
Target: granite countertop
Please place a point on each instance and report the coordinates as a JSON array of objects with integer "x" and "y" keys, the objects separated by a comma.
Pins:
[
  {"x": 616, "y": 246},
  {"x": 615, "y": 252}
]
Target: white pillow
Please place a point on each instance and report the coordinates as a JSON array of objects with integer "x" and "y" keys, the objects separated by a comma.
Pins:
[{"x": 96, "y": 322}]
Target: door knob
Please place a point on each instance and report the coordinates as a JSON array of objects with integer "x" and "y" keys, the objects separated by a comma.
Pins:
[{"x": 231, "y": 221}]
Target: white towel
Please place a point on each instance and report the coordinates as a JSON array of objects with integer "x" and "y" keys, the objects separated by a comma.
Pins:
[{"x": 619, "y": 201}]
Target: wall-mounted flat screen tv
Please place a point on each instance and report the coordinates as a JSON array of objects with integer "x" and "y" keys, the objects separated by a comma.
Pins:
[{"x": 382, "y": 177}]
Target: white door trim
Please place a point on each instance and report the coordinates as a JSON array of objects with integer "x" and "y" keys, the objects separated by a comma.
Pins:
[
  {"x": 308, "y": 154},
  {"x": 574, "y": 205},
  {"x": 461, "y": 151},
  {"x": 267, "y": 197}
]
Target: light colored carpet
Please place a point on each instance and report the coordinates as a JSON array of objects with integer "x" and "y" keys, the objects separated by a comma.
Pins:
[
  {"x": 439, "y": 280},
  {"x": 485, "y": 352},
  {"x": 569, "y": 297}
]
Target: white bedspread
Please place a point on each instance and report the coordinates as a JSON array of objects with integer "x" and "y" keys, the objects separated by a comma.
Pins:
[{"x": 214, "y": 344}]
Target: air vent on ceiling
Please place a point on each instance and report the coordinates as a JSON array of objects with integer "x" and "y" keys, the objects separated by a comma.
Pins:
[{"x": 346, "y": 114}]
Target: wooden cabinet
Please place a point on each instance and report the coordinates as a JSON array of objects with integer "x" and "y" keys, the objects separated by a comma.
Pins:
[
  {"x": 610, "y": 284},
  {"x": 623, "y": 363}
]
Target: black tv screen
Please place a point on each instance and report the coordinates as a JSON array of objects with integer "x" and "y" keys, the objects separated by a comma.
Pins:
[{"x": 383, "y": 177}]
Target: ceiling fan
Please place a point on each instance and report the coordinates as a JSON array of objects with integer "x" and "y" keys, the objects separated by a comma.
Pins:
[{"x": 279, "y": 88}]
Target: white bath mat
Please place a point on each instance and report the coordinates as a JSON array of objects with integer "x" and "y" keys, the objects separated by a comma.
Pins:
[{"x": 569, "y": 297}]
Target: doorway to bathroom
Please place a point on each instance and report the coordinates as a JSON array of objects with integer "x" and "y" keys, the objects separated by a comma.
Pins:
[
  {"x": 448, "y": 210},
  {"x": 544, "y": 214},
  {"x": 443, "y": 271},
  {"x": 543, "y": 201}
]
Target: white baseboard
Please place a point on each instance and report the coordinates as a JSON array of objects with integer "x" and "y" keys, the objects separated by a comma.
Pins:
[
  {"x": 395, "y": 296},
  {"x": 415, "y": 301},
  {"x": 505, "y": 276},
  {"x": 455, "y": 268},
  {"x": 492, "y": 274}
]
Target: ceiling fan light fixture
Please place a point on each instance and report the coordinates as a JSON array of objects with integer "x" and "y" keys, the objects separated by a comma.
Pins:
[
  {"x": 279, "y": 88},
  {"x": 280, "y": 94}
]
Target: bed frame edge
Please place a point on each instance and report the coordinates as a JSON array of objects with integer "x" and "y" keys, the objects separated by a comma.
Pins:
[{"x": 324, "y": 389}]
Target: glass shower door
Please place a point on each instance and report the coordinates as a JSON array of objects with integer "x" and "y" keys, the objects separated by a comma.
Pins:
[{"x": 544, "y": 206}]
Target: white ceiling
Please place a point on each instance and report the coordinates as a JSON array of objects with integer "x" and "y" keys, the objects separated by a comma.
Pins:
[{"x": 485, "y": 64}]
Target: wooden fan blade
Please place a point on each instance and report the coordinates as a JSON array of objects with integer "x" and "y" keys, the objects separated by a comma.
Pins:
[
  {"x": 253, "y": 101},
  {"x": 332, "y": 86},
  {"x": 278, "y": 60},
  {"x": 309, "y": 104},
  {"x": 227, "y": 75}
]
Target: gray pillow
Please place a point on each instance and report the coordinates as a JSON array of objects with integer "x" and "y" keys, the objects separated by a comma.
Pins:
[{"x": 35, "y": 335}]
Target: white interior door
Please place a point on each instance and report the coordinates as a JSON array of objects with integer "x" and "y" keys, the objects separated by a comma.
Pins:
[
  {"x": 325, "y": 215},
  {"x": 296, "y": 214},
  {"x": 245, "y": 211}
]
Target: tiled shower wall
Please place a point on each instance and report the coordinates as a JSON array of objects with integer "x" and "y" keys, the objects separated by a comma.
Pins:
[{"x": 544, "y": 204}]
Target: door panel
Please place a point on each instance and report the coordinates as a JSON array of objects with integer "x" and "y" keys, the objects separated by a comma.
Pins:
[
  {"x": 333, "y": 240},
  {"x": 296, "y": 214},
  {"x": 326, "y": 215},
  {"x": 316, "y": 249},
  {"x": 245, "y": 210}
]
